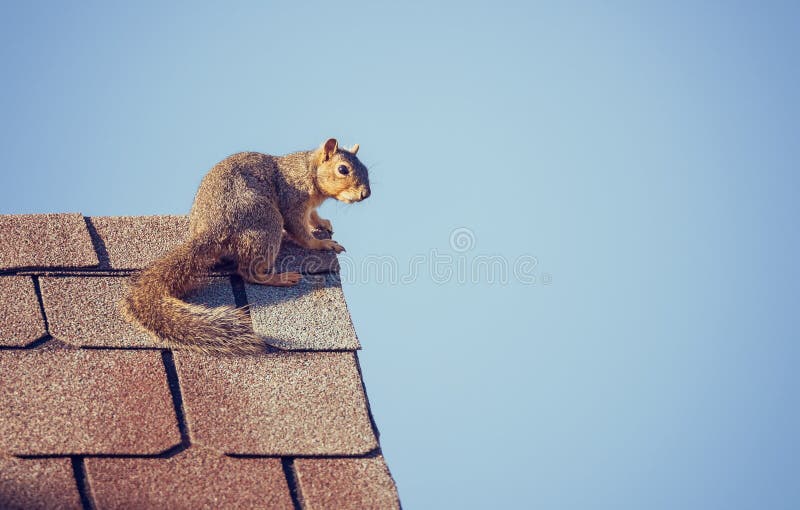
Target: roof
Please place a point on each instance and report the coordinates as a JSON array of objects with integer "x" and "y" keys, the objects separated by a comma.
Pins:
[{"x": 96, "y": 415}]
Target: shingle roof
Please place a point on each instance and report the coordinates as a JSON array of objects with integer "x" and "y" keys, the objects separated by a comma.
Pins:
[{"x": 97, "y": 415}]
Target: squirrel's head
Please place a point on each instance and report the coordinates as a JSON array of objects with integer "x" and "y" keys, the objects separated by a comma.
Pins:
[{"x": 340, "y": 174}]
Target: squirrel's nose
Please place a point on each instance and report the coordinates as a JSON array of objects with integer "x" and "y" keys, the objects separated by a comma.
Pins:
[{"x": 365, "y": 193}]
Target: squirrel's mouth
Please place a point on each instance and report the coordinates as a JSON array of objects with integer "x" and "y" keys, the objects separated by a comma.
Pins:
[
  {"x": 347, "y": 199},
  {"x": 351, "y": 196}
]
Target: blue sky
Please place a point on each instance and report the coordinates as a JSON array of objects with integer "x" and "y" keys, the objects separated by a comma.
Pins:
[{"x": 643, "y": 154}]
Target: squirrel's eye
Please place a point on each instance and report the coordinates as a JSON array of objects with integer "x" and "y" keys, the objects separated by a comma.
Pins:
[{"x": 343, "y": 170}]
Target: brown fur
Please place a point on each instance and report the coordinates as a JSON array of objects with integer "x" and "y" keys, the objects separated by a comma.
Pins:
[{"x": 239, "y": 213}]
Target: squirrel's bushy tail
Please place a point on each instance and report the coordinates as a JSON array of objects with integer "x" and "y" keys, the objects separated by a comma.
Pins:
[{"x": 154, "y": 304}]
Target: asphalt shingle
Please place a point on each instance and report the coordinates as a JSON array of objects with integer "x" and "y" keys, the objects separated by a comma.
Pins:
[
  {"x": 84, "y": 310},
  {"x": 195, "y": 478},
  {"x": 22, "y": 320},
  {"x": 276, "y": 404},
  {"x": 38, "y": 484},
  {"x": 292, "y": 257},
  {"x": 38, "y": 240},
  {"x": 346, "y": 484},
  {"x": 312, "y": 315},
  {"x": 65, "y": 401},
  {"x": 132, "y": 242}
]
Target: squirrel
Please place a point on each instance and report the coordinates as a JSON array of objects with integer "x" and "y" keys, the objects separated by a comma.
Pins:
[{"x": 240, "y": 212}]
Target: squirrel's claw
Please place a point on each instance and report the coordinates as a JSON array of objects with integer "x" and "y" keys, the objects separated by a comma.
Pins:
[{"x": 330, "y": 244}]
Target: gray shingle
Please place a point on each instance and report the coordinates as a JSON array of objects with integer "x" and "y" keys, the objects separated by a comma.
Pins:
[
  {"x": 311, "y": 315},
  {"x": 84, "y": 310}
]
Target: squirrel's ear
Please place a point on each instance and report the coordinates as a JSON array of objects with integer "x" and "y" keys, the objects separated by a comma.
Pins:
[
  {"x": 354, "y": 150},
  {"x": 329, "y": 148}
]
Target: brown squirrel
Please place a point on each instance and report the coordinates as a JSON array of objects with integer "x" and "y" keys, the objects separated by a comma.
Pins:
[{"x": 240, "y": 212}]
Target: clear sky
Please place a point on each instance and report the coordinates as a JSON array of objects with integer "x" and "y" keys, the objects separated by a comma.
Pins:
[{"x": 640, "y": 160}]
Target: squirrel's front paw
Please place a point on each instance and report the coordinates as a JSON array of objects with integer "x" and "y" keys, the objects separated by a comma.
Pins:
[{"x": 330, "y": 244}]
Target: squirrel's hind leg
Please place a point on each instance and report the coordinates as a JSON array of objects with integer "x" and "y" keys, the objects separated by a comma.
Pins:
[
  {"x": 256, "y": 251},
  {"x": 287, "y": 279}
]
